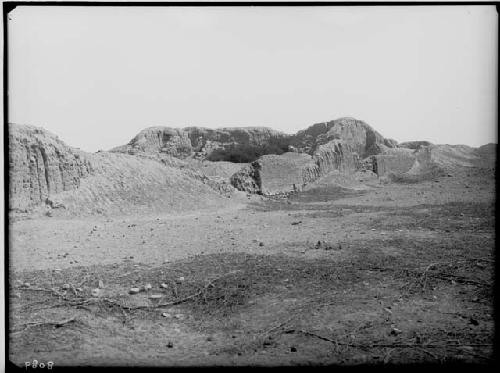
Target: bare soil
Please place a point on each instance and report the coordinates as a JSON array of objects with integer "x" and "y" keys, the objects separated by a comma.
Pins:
[{"x": 402, "y": 273}]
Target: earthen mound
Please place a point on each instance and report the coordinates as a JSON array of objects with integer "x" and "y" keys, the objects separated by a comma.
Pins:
[
  {"x": 195, "y": 142},
  {"x": 435, "y": 161},
  {"x": 414, "y": 144},
  {"x": 46, "y": 175},
  {"x": 361, "y": 137}
]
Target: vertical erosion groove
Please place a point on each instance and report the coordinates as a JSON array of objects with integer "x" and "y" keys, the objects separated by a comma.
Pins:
[{"x": 45, "y": 169}]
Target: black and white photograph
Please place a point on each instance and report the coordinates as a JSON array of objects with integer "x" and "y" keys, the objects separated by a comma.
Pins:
[{"x": 249, "y": 184}]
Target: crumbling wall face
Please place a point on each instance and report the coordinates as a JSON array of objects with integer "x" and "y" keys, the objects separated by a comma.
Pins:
[
  {"x": 384, "y": 164},
  {"x": 310, "y": 173},
  {"x": 248, "y": 179},
  {"x": 273, "y": 174},
  {"x": 336, "y": 156},
  {"x": 283, "y": 173},
  {"x": 41, "y": 165}
]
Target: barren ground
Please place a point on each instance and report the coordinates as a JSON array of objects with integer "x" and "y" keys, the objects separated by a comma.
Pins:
[{"x": 404, "y": 275}]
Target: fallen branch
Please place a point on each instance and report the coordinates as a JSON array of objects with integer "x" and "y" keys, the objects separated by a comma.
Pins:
[
  {"x": 175, "y": 302},
  {"x": 386, "y": 345},
  {"x": 39, "y": 323},
  {"x": 269, "y": 331}
]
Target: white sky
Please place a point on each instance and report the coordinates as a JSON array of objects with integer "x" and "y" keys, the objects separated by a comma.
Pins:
[{"x": 96, "y": 76}]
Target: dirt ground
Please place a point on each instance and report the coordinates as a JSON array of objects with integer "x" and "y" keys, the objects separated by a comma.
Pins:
[{"x": 346, "y": 272}]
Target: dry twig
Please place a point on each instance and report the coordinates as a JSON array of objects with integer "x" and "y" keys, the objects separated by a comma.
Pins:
[{"x": 39, "y": 323}]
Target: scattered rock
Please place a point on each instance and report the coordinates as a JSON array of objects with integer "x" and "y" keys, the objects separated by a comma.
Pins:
[
  {"x": 79, "y": 289},
  {"x": 170, "y": 344},
  {"x": 26, "y": 285},
  {"x": 155, "y": 296},
  {"x": 164, "y": 285},
  {"x": 296, "y": 222},
  {"x": 16, "y": 295},
  {"x": 261, "y": 243},
  {"x": 179, "y": 316},
  {"x": 66, "y": 286},
  {"x": 134, "y": 291},
  {"x": 101, "y": 284},
  {"x": 473, "y": 321},
  {"x": 180, "y": 280},
  {"x": 148, "y": 287},
  {"x": 95, "y": 292},
  {"x": 395, "y": 331},
  {"x": 166, "y": 314},
  {"x": 293, "y": 349}
]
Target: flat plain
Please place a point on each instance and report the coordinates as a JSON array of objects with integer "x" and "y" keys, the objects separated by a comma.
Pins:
[{"x": 351, "y": 270}]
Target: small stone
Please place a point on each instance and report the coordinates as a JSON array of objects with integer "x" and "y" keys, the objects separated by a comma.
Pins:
[
  {"x": 26, "y": 285},
  {"x": 134, "y": 291},
  {"x": 473, "y": 321},
  {"x": 395, "y": 331},
  {"x": 166, "y": 314},
  {"x": 180, "y": 316},
  {"x": 164, "y": 285},
  {"x": 170, "y": 344},
  {"x": 261, "y": 243},
  {"x": 180, "y": 279},
  {"x": 101, "y": 284},
  {"x": 209, "y": 339},
  {"x": 79, "y": 289},
  {"x": 16, "y": 295},
  {"x": 148, "y": 287},
  {"x": 66, "y": 286},
  {"x": 293, "y": 349},
  {"x": 95, "y": 292},
  {"x": 155, "y": 296}
]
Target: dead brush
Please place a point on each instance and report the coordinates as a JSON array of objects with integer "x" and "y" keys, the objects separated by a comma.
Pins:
[
  {"x": 453, "y": 272},
  {"x": 224, "y": 296}
]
